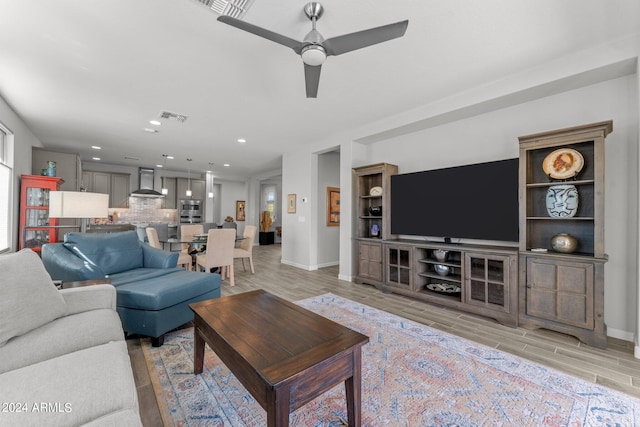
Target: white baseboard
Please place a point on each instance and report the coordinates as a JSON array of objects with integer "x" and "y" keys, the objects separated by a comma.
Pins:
[
  {"x": 309, "y": 267},
  {"x": 621, "y": 335},
  {"x": 345, "y": 277},
  {"x": 293, "y": 264},
  {"x": 328, "y": 264}
]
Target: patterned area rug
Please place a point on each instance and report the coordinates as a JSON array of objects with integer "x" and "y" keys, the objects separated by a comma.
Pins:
[{"x": 413, "y": 375}]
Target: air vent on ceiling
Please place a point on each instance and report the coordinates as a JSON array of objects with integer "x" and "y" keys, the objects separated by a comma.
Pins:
[
  {"x": 233, "y": 8},
  {"x": 130, "y": 158},
  {"x": 173, "y": 116}
]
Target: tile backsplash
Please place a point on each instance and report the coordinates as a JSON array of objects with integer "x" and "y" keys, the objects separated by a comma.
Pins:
[{"x": 144, "y": 210}]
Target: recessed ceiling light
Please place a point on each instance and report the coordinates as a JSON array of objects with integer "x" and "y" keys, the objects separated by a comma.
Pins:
[
  {"x": 95, "y": 147},
  {"x": 242, "y": 140},
  {"x": 155, "y": 122},
  {"x": 158, "y": 166},
  {"x": 150, "y": 130},
  {"x": 226, "y": 165},
  {"x": 96, "y": 158},
  {"x": 170, "y": 157}
]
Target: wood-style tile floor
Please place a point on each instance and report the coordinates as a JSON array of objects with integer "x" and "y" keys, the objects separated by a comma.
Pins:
[{"x": 614, "y": 367}]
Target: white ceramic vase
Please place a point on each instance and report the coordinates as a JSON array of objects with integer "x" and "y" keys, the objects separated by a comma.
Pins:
[{"x": 562, "y": 201}]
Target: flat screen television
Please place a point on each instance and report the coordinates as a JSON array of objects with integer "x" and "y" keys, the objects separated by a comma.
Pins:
[{"x": 478, "y": 201}]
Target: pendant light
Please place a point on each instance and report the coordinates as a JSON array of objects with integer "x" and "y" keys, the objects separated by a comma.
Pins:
[
  {"x": 188, "y": 193},
  {"x": 164, "y": 190}
]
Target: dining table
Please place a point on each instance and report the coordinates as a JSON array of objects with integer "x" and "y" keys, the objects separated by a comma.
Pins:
[{"x": 197, "y": 244}]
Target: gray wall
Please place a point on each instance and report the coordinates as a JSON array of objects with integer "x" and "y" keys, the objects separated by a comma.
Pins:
[{"x": 328, "y": 236}]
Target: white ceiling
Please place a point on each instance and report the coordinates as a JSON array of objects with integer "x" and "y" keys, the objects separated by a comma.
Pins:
[{"x": 88, "y": 72}]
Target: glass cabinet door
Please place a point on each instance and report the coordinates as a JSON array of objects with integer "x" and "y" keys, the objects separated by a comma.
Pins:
[
  {"x": 37, "y": 196},
  {"x": 398, "y": 266},
  {"x": 486, "y": 280}
]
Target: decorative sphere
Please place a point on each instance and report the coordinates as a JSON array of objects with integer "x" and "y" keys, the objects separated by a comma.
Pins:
[
  {"x": 375, "y": 210},
  {"x": 564, "y": 243}
]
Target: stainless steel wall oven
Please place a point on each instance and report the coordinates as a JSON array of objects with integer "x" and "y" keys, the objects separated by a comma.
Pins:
[{"x": 190, "y": 211}]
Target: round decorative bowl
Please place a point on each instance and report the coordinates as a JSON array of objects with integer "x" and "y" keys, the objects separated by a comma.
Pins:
[
  {"x": 442, "y": 270},
  {"x": 375, "y": 210},
  {"x": 564, "y": 243},
  {"x": 441, "y": 255}
]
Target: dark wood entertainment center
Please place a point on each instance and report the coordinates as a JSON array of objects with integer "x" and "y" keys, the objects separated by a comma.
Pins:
[{"x": 530, "y": 285}]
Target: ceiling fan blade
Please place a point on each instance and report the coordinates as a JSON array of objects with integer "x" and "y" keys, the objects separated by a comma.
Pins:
[
  {"x": 267, "y": 34},
  {"x": 312, "y": 79},
  {"x": 358, "y": 40}
]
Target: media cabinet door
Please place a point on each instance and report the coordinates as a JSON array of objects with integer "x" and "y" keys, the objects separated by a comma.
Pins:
[
  {"x": 370, "y": 261},
  {"x": 560, "y": 291}
]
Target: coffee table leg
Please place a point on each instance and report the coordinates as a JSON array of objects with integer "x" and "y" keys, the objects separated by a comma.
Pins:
[
  {"x": 353, "y": 389},
  {"x": 198, "y": 352},
  {"x": 278, "y": 407}
]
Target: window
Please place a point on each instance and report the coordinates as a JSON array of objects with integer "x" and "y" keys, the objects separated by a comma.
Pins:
[
  {"x": 269, "y": 200},
  {"x": 5, "y": 192}
]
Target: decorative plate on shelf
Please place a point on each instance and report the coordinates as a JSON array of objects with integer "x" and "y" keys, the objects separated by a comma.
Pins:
[
  {"x": 563, "y": 163},
  {"x": 444, "y": 288},
  {"x": 375, "y": 191}
]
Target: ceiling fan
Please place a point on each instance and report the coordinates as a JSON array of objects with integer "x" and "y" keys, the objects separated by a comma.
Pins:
[{"x": 314, "y": 49}]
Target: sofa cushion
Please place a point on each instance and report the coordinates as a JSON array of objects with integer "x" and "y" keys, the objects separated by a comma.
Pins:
[
  {"x": 61, "y": 336},
  {"x": 111, "y": 252},
  {"x": 81, "y": 387},
  {"x": 137, "y": 274},
  {"x": 165, "y": 291},
  {"x": 28, "y": 297}
]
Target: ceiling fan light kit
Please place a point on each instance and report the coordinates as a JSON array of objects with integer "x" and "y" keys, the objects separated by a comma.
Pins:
[
  {"x": 313, "y": 55},
  {"x": 314, "y": 49}
]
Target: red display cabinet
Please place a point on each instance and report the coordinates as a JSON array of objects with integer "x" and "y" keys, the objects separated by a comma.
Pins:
[{"x": 36, "y": 228}]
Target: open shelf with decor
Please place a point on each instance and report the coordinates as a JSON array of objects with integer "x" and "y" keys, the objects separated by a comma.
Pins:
[
  {"x": 373, "y": 219},
  {"x": 562, "y": 231},
  {"x": 439, "y": 273}
]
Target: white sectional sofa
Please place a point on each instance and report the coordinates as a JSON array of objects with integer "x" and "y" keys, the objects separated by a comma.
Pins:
[{"x": 63, "y": 358}]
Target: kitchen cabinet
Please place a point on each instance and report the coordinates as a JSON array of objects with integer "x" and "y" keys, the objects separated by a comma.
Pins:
[
  {"x": 119, "y": 193},
  {"x": 170, "y": 200},
  {"x": 116, "y": 185},
  {"x": 198, "y": 189}
]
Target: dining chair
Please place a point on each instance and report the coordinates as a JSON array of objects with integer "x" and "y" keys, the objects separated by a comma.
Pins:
[
  {"x": 184, "y": 259},
  {"x": 219, "y": 253},
  {"x": 246, "y": 246},
  {"x": 162, "y": 229},
  {"x": 187, "y": 234}
]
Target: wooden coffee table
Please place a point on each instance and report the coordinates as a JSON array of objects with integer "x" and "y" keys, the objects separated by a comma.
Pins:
[{"x": 283, "y": 354}]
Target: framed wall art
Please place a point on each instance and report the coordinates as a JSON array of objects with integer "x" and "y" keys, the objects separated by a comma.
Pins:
[
  {"x": 333, "y": 206},
  {"x": 240, "y": 210},
  {"x": 291, "y": 203}
]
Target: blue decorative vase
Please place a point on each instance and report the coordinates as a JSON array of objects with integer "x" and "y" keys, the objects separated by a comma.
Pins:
[{"x": 51, "y": 168}]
